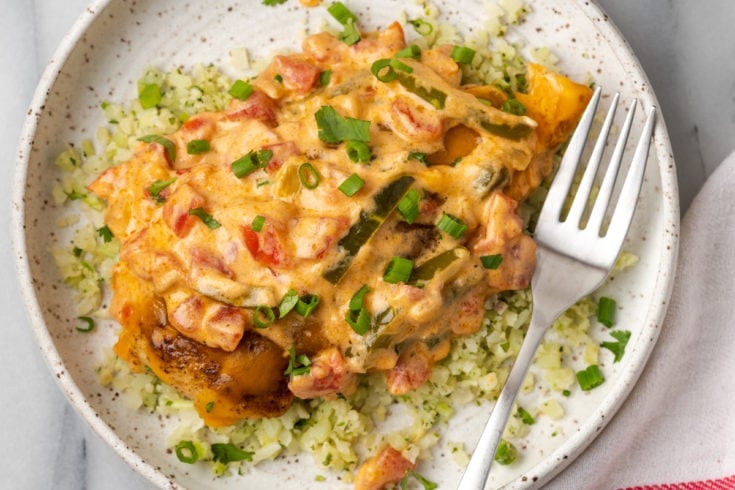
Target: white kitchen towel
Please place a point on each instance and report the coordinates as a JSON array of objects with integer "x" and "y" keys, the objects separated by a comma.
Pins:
[{"x": 677, "y": 428}]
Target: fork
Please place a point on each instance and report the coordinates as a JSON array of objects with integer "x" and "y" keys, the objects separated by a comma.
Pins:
[{"x": 582, "y": 254}]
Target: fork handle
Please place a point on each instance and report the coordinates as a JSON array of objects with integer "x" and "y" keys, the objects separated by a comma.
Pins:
[{"x": 475, "y": 476}]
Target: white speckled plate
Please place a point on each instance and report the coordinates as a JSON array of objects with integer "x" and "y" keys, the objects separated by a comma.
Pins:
[{"x": 101, "y": 60}]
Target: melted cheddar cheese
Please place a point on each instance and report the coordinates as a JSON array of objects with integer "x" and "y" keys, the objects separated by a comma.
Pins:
[{"x": 197, "y": 278}]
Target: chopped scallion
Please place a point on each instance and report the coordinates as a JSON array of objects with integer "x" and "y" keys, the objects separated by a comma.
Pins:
[
  {"x": 298, "y": 364},
  {"x": 241, "y": 90},
  {"x": 89, "y": 324},
  {"x": 462, "y": 54},
  {"x": 422, "y": 27},
  {"x": 525, "y": 417},
  {"x": 308, "y": 176},
  {"x": 325, "y": 77},
  {"x": 206, "y": 218},
  {"x": 157, "y": 187},
  {"x": 307, "y": 304},
  {"x": 411, "y": 51},
  {"x": 399, "y": 65},
  {"x": 359, "y": 320},
  {"x": 491, "y": 262},
  {"x": 399, "y": 270},
  {"x": 606, "y": 308},
  {"x": 197, "y": 147},
  {"x": 452, "y": 226},
  {"x": 186, "y": 451},
  {"x": 341, "y": 13},
  {"x": 383, "y": 70},
  {"x": 288, "y": 303},
  {"x": 408, "y": 206},
  {"x": 351, "y": 185},
  {"x": 589, "y": 378},
  {"x": 257, "y": 223},
  {"x": 358, "y": 151},
  {"x": 263, "y": 316},
  {"x": 167, "y": 144}
]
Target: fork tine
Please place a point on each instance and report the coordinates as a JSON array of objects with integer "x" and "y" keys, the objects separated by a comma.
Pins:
[
  {"x": 623, "y": 214},
  {"x": 585, "y": 186},
  {"x": 567, "y": 168},
  {"x": 608, "y": 182}
]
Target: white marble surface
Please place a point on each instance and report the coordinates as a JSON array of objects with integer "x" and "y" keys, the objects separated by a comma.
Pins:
[{"x": 687, "y": 49}]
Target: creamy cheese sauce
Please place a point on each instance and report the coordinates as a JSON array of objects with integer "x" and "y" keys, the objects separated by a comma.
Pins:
[{"x": 207, "y": 254}]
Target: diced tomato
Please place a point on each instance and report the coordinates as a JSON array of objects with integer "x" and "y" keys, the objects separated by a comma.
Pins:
[
  {"x": 264, "y": 246},
  {"x": 298, "y": 74},
  {"x": 258, "y": 106},
  {"x": 281, "y": 152},
  {"x": 327, "y": 376},
  {"x": 176, "y": 210},
  {"x": 411, "y": 371},
  {"x": 415, "y": 122},
  {"x": 386, "y": 468}
]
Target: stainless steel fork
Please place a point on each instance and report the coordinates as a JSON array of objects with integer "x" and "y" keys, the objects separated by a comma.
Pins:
[{"x": 582, "y": 255}]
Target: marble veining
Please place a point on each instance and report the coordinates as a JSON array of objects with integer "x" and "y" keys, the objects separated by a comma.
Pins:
[{"x": 685, "y": 48}]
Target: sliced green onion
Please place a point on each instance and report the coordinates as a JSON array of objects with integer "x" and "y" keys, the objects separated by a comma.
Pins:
[
  {"x": 206, "y": 218},
  {"x": 307, "y": 304},
  {"x": 325, "y": 77},
  {"x": 149, "y": 95},
  {"x": 525, "y": 417},
  {"x": 399, "y": 65},
  {"x": 422, "y": 27},
  {"x": 606, "y": 308},
  {"x": 226, "y": 453},
  {"x": 358, "y": 151},
  {"x": 88, "y": 321},
  {"x": 246, "y": 165},
  {"x": 399, "y": 270},
  {"x": 513, "y": 106},
  {"x": 341, "y": 13},
  {"x": 241, "y": 90},
  {"x": 427, "y": 484},
  {"x": 186, "y": 451},
  {"x": 359, "y": 320},
  {"x": 408, "y": 206},
  {"x": 357, "y": 298},
  {"x": 589, "y": 378},
  {"x": 462, "y": 54},
  {"x": 105, "y": 233},
  {"x": 257, "y": 223},
  {"x": 411, "y": 51},
  {"x": 506, "y": 453},
  {"x": 618, "y": 348},
  {"x": 351, "y": 185},
  {"x": 452, "y": 226},
  {"x": 298, "y": 365},
  {"x": 491, "y": 262},
  {"x": 263, "y": 316},
  {"x": 350, "y": 35},
  {"x": 383, "y": 70},
  {"x": 308, "y": 176},
  {"x": 197, "y": 147},
  {"x": 288, "y": 303},
  {"x": 333, "y": 128},
  {"x": 420, "y": 156},
  {"x": 167, "y": 144},
  {"x": 156, "y": 187}
]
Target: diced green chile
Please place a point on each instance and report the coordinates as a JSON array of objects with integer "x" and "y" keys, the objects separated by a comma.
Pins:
[{"x": 367, "y": 224}]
